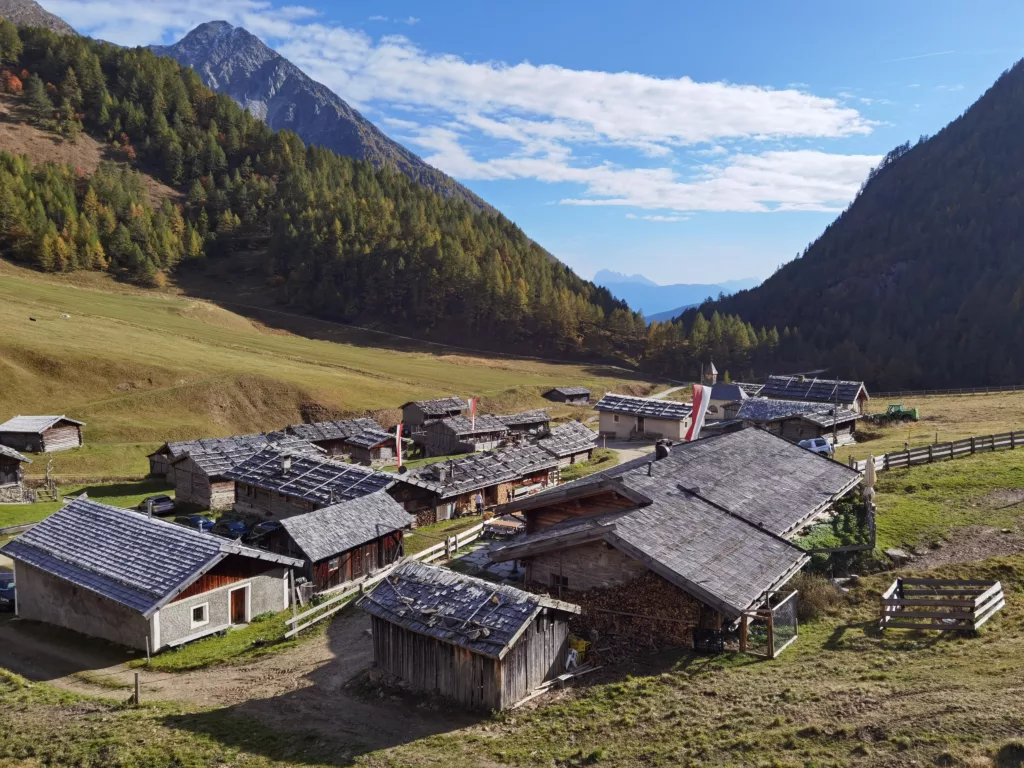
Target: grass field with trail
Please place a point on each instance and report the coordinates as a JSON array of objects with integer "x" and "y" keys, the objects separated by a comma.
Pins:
[
  {"x": 943, "y": 418},
  {"x": 143, "y": 367}
]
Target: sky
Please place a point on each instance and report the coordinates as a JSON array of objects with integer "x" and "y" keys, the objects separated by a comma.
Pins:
[{"x": 690, "y": 142}]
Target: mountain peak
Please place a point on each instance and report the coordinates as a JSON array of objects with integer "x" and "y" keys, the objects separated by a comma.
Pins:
[
  {"x": 28, "y": 13},
  {"x": 232, "y": 61}
]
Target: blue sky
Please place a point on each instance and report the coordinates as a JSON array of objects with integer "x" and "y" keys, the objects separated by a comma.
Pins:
[{"x": 691, "y": 142}]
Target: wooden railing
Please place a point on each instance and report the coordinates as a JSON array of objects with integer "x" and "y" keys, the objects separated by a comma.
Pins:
[
  {"x": 926, "y": 454},
  {"x": 947, "y": 605},
  {"x": 445, "y": 549},
  {"x": 954, "y": 391}
]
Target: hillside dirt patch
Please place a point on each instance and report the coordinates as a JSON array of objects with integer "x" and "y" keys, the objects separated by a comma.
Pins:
[
  {"x": 19, "y": 137},
  {"x": 972, "y": 544}
]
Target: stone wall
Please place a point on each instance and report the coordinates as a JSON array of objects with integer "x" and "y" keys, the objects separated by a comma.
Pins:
[
  {"x": 42, "y": 597},
  {"x": 15, "y": 494}
]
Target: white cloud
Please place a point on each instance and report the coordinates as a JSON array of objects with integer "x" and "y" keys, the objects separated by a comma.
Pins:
[
  {"x": 411, "y": 20},
  {"x": 379, "y": 18},
  {"x": 657, "y": 217},
  {"x": 494, "y": 120},
  {"x": 957, "y": 87}
]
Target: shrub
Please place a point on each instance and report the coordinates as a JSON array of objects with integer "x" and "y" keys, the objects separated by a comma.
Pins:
[{"x": 817, "y": 596}]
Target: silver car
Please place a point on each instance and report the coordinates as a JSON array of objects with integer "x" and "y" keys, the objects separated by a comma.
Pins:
[{"x": 818, "y": 445}]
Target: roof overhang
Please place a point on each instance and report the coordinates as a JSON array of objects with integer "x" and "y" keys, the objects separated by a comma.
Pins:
[{"x": 570, "y": 493}]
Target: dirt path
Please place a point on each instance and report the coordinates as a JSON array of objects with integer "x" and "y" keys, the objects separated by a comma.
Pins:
[{"x": 301, "y": 689}]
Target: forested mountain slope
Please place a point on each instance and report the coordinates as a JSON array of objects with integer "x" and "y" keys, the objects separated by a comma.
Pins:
[
  {"x": 920, "y": 283},
  {"x": 232, "y": 61}
]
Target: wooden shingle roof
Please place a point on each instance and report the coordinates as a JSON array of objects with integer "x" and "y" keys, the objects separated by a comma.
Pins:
[
  {"x": 765, "y": 410},
  {"x": 10, "y": 453},
  {"x": 524, "y": 418},
  {"x": 816, "y": 390},
  {"x": 335, "y": 529},
  {"x": 570, "y": 391},
  {"x": 568, "y": 439},
  {"x": 474, "y": 614},
  {"x": 462, "y": 425},
  {"x": 35, "y": 425},
  {"x": 648, "y": 407},
  {"x": 482, "y": 470},
  {"x": 338, "y": 429},
  {"x": 442, "y": 406}
]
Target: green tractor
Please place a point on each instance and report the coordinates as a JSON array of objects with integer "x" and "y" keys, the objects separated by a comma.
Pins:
[{"x": 896, "y": 412}]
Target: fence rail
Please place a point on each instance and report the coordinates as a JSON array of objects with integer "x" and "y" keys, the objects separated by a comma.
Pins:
[
  {"x": 926, "y": 454},
  {"x": 947, "y": 605},
  {"x": 335, "y": 603},
  {"x": 954, "y": 391}
]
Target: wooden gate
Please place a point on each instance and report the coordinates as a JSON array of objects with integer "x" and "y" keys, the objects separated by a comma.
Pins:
[{"x": 947, "y": 605}]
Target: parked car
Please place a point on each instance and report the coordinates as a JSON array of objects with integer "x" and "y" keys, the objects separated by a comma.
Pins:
[
  {"x": 260, "y": 530},
  {"x": 198, "y": 522},
  {"x": 6, "y": 590},
  {"x": 231, "y": 529},
  {"x": 818, "y": 445},
  {"x": 162, "y": 505}
]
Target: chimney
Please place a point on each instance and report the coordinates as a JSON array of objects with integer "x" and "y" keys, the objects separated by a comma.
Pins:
[
  {"x": 650, "y": 468},
  {"x": 286, "y": 465},
  {"x": 149, "y": 507},
  {"x": 661, "y": 450}
]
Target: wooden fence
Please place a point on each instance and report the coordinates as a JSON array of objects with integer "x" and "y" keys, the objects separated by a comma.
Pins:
[
  {"x": 955, "y": 391},
  {"x": 926, "y": 454},
  {"x": 947, "y": 605},
  {"x": 445, "y": 549}
]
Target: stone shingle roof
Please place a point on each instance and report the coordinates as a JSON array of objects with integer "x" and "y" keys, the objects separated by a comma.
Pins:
[
  {"x": 816, "y": 390},
  {"x": 256, "y": 442},
  {"x": 462, "y": 425},
  {"x": 765, "y": 410},
  {"x": 477, "y": 615},
  {"x": 332, "y": 530},
  {"x": 224, "y": 455},
  {"x": 525, "y": 418},
  {"x": 13, "y": 454},
  {"x": 568, "y": 439},
  {"x": 648, "y": 407},
  {"x": 441, "y": 406},
  {"x": 339, "y": 429},
  {"x": 35, "y": 425},
  {"x": 481, "y": 470},
  {"x": 138, "y": 561},
  {"x": 320, "y": 481},
  {"x": 370, "y": 438},
  {"x": 570, "y": 391}
]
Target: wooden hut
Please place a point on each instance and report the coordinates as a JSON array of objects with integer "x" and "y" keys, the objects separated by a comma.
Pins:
[
  {"x": 334, "y": 436},
  {"x": 852, "y": 395},
  {"x": 41, "y": 434},
  {"x": 570, "y": 443},
  {"x": 461, "y": 435},
  {"x": 797, "y": 420},
  {"x": 344, "y": 542},
  {"x": 528, "y": 423},
  {"x": 450, "y": 489},
  {"x": 12, "y": 477},
  {"x": 277, "y": 485},
  {"x": 418, "y": 413},
  {"x": 485, "y": 646},
  {"x": 160, "y": 460},
  {"x": 569, "y": 395}
]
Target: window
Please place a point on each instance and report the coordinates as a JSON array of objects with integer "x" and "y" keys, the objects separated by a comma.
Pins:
[
  {"x": 615, "y": 418},
  {"x": 559, "y": 581},
  {"x": 332, "y": 564},
  {"x": 200, "y": 615}
]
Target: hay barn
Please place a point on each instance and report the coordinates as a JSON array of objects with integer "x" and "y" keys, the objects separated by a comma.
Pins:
[{"x": 41, "y": 434}]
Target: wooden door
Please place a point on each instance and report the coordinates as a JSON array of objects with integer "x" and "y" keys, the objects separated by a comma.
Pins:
[
  {"x": 238, "y": 606},
  {"x": 640, "y": 425}
]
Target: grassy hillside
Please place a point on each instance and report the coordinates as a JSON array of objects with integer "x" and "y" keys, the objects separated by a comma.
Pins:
[{"x": 142, "y": 367}]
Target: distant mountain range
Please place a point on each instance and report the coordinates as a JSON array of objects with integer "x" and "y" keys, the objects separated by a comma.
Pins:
[
  {"x": 232, "y": 61},
  {"x": 664, "y": 302},
  {"x": 28, "y": 13}
]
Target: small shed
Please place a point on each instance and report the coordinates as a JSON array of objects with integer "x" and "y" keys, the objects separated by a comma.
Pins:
[
  {"x": 344, "y": 542},
  {"x": 41, "y": 434},
  {"x": 852, "y": 395},
  {"x": 798, "y": 420},
  {"x": 570, "y": 443},
  {"x": 140, "y": 581},
  {"x": 449, "y": 489},
  {"x": 485, "y": 646},
  {"x": 276, "y": 485},
  {"x": 418, "y": 413},
  {"x": 335, "y": 436},
  {"x": 624, "y": 417},
  {"x": 532, "y": 423},
  {"x": 371, "y": 447},
  {"x": 12, "y": 477},
  {"x": 569, "y": 395},
  {"x": 461, "y": 435}
]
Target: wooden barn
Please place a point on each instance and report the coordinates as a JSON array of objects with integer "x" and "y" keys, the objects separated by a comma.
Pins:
[
  {"x": 140, "y": 581},
  {"x": 570, "y": 443},
  {"x": 484, "y": 646},
  {"x": 372, "y": 448},
  {"x": 461, "y": 435},
  {"x": 624, "y": 417},
  {"x": 418, "y": 413},
  {"x": 569, "y": 395},
  {"x": 705, "y": 531},
  {"x": 274, "y": 485},
  {"x": 528, "y": 423},
  {"x": 449, "y": 489},
  {"x": 12, "y": 477},
  {"x": 797, "y": 420},
  {"x": 336, "y": 437},
  {"x": 41, "y": 434},
  {"x": 852, "y": 395},
  {"x": 344, "y": 542}
]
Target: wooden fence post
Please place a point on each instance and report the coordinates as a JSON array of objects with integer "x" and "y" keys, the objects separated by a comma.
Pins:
[
  {"x": 972, "y": 445},
  {"x": 743, "y": 633},
  {"x": 138, "y": 689},
  {"x": 1013, "y": 440},
  {"x": 885, "y": 461},
  {"x": 771, "y": 633},
  {"x": 931, "y": 457}
]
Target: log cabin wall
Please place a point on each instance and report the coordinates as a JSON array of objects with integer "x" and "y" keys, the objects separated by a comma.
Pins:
[
  {"x": 62, "y": 437},
  {"x": 545, "y": 517},
  {"x": 538, "y": 655}
]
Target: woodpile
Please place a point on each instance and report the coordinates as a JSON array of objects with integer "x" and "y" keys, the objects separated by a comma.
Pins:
[{"x": 645, "y": 615}]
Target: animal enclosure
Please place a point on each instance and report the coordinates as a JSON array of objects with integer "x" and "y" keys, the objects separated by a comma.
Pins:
[{"x": 947, "y": 605}]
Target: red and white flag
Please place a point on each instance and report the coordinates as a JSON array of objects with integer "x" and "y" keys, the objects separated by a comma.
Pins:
[
  {"x": 398, "y": 444},
  {"x": 472, "y": 412},
  {"x": 701, "y": 396}
]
